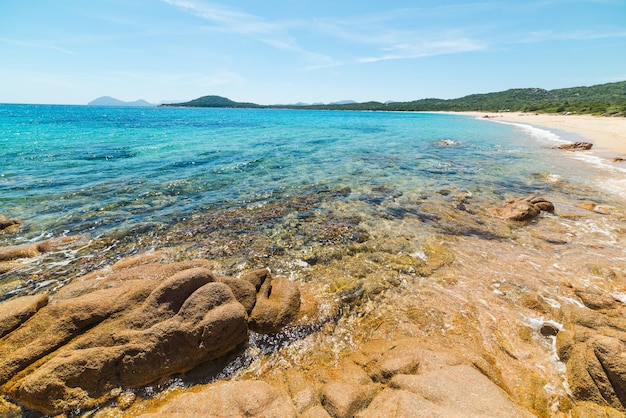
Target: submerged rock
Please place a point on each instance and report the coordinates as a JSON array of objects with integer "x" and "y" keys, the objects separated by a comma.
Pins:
[
  {"x": 15, "y": 252},
  {"x": 9, "y": 225},
  {"x": 523, "y": 208}
]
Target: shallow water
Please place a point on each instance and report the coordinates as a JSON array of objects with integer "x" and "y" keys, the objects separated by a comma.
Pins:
[{"x": 133, "y": 178}]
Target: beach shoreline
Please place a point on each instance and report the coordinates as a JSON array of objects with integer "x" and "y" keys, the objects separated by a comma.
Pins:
[{"x": 607, "y": 134}]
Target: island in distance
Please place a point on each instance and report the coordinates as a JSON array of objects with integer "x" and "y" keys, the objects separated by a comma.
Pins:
[{"x": 111, "y": 101}]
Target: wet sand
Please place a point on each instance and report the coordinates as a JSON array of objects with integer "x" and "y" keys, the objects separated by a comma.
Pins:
[{"x": 608, "y": 134}]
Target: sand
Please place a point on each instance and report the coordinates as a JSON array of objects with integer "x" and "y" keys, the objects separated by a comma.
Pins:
[{"x": 607, "y": 134}]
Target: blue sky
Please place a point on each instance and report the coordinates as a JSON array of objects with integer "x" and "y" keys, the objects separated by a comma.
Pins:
[{"x": 72, "y": 51}]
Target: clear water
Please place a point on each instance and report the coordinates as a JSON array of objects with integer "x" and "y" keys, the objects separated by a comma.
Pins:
[{"x": 68, "y": 170}]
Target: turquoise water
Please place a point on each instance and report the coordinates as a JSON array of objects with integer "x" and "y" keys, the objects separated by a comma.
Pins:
[
  {"x": 136, "y": 172},
  {"x": 77, "y": 169}
]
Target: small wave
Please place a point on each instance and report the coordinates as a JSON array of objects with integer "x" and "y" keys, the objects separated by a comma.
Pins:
[{"x": 540, "y": 134}]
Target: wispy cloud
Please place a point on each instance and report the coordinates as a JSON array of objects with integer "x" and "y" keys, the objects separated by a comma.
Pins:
[
  {"x": 362, "y": 38},
  {"x": 426, "y": 49}
]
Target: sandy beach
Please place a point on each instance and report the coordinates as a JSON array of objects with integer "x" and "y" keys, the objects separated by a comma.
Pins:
[{"x": 608, "y": 134}]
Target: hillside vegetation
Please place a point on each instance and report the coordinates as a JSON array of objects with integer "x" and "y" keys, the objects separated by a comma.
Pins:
[{"x": 603, "y": 99}]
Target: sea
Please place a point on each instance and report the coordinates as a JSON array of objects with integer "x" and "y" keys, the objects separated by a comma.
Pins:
[{"x": 249, "y": 186}]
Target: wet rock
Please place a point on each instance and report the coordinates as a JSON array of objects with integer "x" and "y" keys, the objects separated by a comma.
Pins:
[
  {"x": 596, "y": 300},
  {"x": 576, "y": 146},
  {"x": 9, "y": 225},
  {"x": 596, "y": 367},
  {"x": 15, "y": 252},
  {"x": 457, "y": 391},
  {"x": 8, "y": 410},
  {"x": 522, "y": 209},
  {"x": 277, "y": 304},
  {"x": 593, "y": 410},
  {"x": 344, "y": 400},
  {"x": 14, "y": 312},
  {"x": 248, "y": 398}
]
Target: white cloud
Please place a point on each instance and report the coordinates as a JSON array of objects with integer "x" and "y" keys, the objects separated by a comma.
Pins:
[{"x": 426, "y": 49}]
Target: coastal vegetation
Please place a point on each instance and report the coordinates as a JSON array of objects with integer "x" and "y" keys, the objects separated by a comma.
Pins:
[{"x": 603, "y": 99}]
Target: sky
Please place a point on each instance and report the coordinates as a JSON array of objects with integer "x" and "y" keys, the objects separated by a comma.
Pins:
[{"x": 290, "y": 51}]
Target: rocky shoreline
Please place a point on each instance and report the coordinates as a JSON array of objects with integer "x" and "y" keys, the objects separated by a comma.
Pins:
[{"x": 505, "y": 310}]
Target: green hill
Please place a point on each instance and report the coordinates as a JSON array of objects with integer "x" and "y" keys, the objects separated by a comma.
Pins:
[
  {"x": 603, "y": 99},
  {"x": 212, "y": 101}
]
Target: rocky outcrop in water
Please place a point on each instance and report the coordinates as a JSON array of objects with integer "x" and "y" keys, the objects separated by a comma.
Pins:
[
  {"x": 129, "y": 326},
  {"x": 576, "y": 146},
  {"x": 9, "y": 225},
  {"x": 15, "y": 252},
  {"x": 522, "y": 208}
]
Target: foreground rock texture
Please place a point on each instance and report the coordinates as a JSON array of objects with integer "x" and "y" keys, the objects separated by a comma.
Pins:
[
  {"x": 383, "y": 379},
  {"x": 129, "y": 326},
  {"x": 594, "y": 349}
]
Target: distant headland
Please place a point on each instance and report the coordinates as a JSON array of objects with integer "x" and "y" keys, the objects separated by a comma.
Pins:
[
  {"x": 603, "y": 99},
  {"x": 111, "y": 101}
]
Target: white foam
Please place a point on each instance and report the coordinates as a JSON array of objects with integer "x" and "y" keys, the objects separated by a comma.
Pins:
[{"x": 539, "y": 134}]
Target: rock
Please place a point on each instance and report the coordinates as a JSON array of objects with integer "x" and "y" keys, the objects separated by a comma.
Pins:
[
  {"x": 542, "y": 204},
  {"x": 596, "y": 300},
  {"x": 188, "y": 320},
  {"x": 459, "y": 391},
  {"x": 14, "y": 312},
  {"x": 396, "y": 361},
  {"x": 315, "y": 412},
  {"x": 344, "y": 400},
  {"x": 576, "y": 146},
  {"x": 9, "y": 225},
  {"x": 596, "y": 369},
  {"x": 277, "y": 304},
  {"x": 8, "y": 410},
  {"x": 244, "y": 292},
  {"x": 522, "y": 209},
  {"x": 15, "y": 252},
  {"x": 126, "y": 327},
  {"x": 592, "y": 410},
  {"x": 247, "y": 398},
  {"x": 402, "y": 404},
  {"x": 7, "y": 266}
]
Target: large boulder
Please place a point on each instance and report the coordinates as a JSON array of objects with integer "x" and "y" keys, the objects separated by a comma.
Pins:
[{"x": 124, "y": 328}]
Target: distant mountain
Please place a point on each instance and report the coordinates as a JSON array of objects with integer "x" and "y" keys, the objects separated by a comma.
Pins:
[
  {"x": 343, "y": 102},
  {"x": 606, "y": 99},
  {"x": 111, "y": 101}
]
